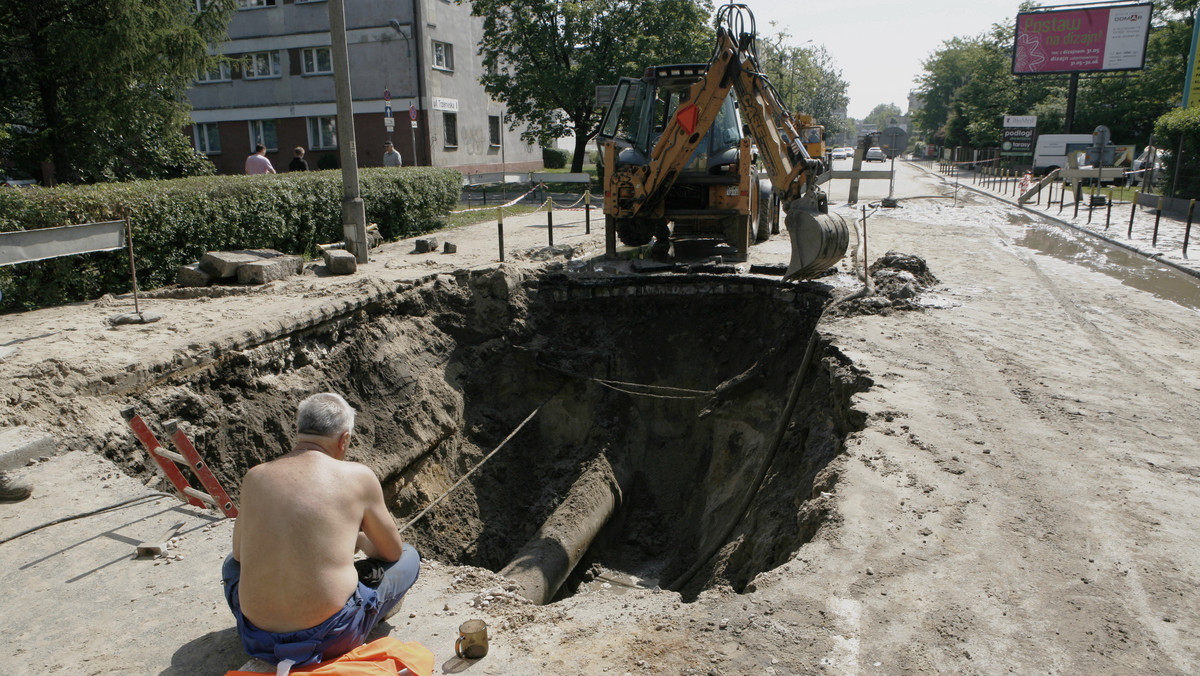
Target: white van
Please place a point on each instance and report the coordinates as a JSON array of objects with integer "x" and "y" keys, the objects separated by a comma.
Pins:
[{"x": 1051, "y": 150}]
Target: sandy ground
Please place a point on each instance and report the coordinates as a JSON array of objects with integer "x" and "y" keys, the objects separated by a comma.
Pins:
[{"x": 1023, "y": 499}]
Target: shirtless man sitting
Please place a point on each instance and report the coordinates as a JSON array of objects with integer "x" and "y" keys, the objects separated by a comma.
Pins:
[{"x": 291, "y": 580}]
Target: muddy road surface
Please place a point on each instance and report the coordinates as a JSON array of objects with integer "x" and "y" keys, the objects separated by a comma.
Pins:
[{"x": 991, "y": 468}]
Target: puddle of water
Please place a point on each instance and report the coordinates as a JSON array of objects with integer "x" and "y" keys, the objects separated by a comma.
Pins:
[{"x": 1128, "y": 267}]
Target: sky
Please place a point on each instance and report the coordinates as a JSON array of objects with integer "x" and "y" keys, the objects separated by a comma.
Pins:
[{"x": 879, "y": 44}]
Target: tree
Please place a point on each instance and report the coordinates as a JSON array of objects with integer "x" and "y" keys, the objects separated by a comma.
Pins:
[
  {"x": 544, "y": 58},
  {"x": 806, "y": 80},
  {"x": 967, "y": 86},
  {"x": 880, "y": 115},
  {"x": 97, "y": 86}
]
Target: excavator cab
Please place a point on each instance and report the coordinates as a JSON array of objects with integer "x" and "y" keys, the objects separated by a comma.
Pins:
[
  {"x": 642, "y": 108},
  {"x": 717, "y": 192}
]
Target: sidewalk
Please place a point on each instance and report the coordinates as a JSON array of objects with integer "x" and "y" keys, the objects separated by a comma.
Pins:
[{"x": 1112, "y": 225}]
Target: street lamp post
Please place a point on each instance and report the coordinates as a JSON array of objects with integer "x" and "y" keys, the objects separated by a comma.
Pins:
[{"x": 354, "y": 215}]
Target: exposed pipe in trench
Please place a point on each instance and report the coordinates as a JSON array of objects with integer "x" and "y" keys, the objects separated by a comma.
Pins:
[{"x": 541, "y": 567}]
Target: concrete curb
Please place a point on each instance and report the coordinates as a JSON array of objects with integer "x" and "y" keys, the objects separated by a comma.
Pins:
[
  {"x": 1157, "y": 257},
  {"x": 19, "y": 445}
]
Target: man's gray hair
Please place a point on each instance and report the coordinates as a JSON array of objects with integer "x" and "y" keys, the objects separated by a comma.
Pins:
[{"x": 324, "y": 415}]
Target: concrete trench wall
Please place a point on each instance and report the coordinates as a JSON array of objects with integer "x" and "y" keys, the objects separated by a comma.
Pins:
[{"x": 443, "y": 370}]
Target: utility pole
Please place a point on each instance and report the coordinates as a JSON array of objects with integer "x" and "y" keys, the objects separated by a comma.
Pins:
[{"x": 354, "y": 214}]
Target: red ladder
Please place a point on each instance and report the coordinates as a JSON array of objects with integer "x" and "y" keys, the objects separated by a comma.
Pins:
[{"x": 169, "y": 461}]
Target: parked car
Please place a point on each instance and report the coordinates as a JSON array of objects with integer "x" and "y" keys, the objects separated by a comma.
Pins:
[
  {"x": 18, "y": 180},
  {"x": 875, "y": 155}
]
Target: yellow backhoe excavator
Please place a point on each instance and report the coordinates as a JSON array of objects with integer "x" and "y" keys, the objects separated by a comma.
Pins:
[{"x": 675, "y": 153}]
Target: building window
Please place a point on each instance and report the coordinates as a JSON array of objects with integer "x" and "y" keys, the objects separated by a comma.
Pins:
[
  {"x": 450, "y": 122},
  {"x": 494, "y": 130},
  {"x": 208, "y": 139},
  {"x": 305, "y": 2},
  {"x": 317, "y": 61},
  {"x": 443, "y": 55},
  {"x": 255, "y": 4},
  {"x": 263, "y": 131},
  {"x": 219, "y": 73},
  {"x": 322, "y": 133},
  {"x": 262, "y": 65}
]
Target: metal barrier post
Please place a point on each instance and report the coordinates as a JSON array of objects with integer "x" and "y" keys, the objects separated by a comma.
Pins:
[
  {"x": 1157, "y": 216},
  {"x": 550, "y": 218},
  {"x": 132, "y": 267},
  {"x": 500, "y": 230},
  {"x": 587, "y": 211},
  {"x": 1187, "y": 231},
  {"x": 1136, "y": 195},
  {"x": 1108, "y": 215},
  {"x": 1075, "y": 194}
]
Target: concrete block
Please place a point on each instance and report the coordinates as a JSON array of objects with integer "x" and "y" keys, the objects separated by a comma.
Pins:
[
  {"x": 192, "y": 275},
  {"x": 19, "y": 445},
  {"x": 450, "y": 247},
  {"x": 427, "y": 244},
  {"x": 340, "y": 262},
  {"x": 268, "y": 270},
  {"x": 225, "y": 264}
]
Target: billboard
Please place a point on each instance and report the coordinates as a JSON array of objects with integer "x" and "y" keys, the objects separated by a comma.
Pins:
[
  {"x": 1018, "y": 135},
  {"x": 1081, "y": 40}
]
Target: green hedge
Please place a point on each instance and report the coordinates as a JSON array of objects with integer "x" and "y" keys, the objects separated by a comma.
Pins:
[
  {"x": 175, "y": 222},
  {"x": 1180, "y": 129},
  {"x": 555, "y": 158}
]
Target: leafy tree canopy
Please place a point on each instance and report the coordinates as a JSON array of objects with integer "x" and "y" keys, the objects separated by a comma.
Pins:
[
  {"x": 97, "y": 86},
  {"x": 544, "y": 58},
  {"x": 807, "y": 80}
]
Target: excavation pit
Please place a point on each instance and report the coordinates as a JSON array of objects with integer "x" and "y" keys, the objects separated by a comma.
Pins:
[{"x": 638, "y": 421}]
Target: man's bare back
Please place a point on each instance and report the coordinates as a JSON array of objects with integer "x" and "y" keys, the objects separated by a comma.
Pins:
[{"x": 297, "y": 532}]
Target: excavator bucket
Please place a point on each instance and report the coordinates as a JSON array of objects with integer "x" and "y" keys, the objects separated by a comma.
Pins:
[{"x": 819, "y": 240}]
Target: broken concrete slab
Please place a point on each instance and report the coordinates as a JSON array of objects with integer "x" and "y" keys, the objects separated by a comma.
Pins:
[
  {"x": 192, "y": 275},
  {"x": 263, "y": 271},
  {"x": 340, "y": 262},
  {"x": 224, "y": 264},
  {"x": 427, "y": 244},
  {"x": 19, "y": 445},
  {"x": 450, "y": 247}
]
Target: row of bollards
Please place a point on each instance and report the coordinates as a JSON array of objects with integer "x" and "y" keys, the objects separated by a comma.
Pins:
[{"x": 1006, "y": 182}]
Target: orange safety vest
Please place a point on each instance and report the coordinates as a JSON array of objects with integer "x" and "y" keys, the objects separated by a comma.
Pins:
[{"x": 385, "y": 656}]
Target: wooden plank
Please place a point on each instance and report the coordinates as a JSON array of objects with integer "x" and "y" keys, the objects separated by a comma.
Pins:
[{"x": 25, "y": 246}]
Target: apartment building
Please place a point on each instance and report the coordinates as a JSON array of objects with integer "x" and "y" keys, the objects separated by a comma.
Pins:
[{"x": 418, "y": 56}]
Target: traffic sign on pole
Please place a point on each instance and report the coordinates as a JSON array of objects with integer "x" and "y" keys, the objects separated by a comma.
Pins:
[
  {"x": 387, "y": 110},
  {"x": 387, "y": 95},
  {"x": 412, "y": 113}
]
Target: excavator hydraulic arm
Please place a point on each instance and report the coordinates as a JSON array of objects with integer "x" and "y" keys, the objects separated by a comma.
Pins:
[{"x": 819, "y": 239}]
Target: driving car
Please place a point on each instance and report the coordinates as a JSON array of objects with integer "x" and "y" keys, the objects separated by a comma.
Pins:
[
  {"x": 875, "y": 154},
  {"x": 839, "y": 153}
]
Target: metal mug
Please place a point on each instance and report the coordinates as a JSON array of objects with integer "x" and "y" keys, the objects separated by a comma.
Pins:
[{"x": 472, "y": 641}]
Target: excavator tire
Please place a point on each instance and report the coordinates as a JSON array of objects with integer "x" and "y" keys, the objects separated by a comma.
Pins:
[{"x": 768, "y": 209}]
